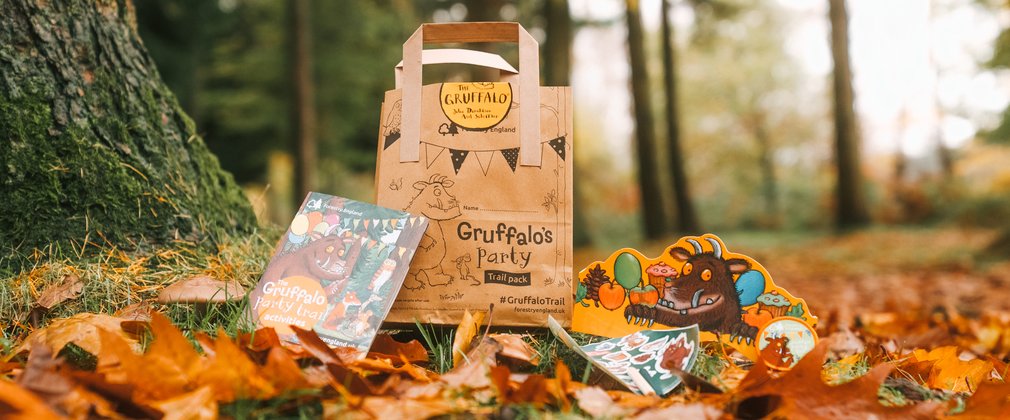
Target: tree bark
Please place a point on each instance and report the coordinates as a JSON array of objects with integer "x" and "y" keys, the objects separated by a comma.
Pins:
[
  {"x": 648, "y": 175},
  {"x": 557, "y": 59},
  {"x": 303, "y": 118},
  {"x": 558, "y": 46},
  {"x": 687, "y": 222},
  {"x": 96, "y": 150},
  {"x": 850, "y": 207},
  {"x": 769, "y": 184}
]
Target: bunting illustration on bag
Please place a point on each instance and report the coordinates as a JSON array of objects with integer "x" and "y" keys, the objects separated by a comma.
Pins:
[{"x": 484, "y": 157}]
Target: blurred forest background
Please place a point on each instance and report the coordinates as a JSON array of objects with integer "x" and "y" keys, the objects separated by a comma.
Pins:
[{"x": 691, "y": 115}]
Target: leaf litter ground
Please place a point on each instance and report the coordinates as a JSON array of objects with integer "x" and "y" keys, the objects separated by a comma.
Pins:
[{"x": 912, "y": 326}]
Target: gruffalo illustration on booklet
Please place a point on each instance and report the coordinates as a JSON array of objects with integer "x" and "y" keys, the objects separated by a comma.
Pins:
[
  {"x": 697, "y": 280},
  {"x": 337, "y": 270}
]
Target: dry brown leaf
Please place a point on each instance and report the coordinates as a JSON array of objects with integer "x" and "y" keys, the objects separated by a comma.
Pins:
[
  {"x": 282, "y": 370},
  {"x": 263, "y": 339},
  {"x": 165, "y": 371},
  {"x": 695, "y": 410},
  {"x": 140, "y": 311},
  {"x": 17, "y": 403},
  {"x": 396, "y": 408},
  {"x": 199, "y": 404},
  {"x": 68, "y": 288},
  {"x": 473, "y": 372},
  {"x": 464, "y": 335},
  {"x": 532, "y": 389},
  {"x": 320, "y": 350},
  {"x": 990, "y": 401},
  {"x": 514, "y": 347},
  {"x": 801, "y": 393},
  {"x": 562, "y": 386},
  {"x": 632, "y": 400},
  {"x": 201, "y": 289},
  {"x": 412, "y": 350},
  {"x": 42, "y": 375},
  {"x": 942, "y": 369},
  {"x": 231, "y": 375},
  {"x": 598, "y": 404},
  {"x": 81, "y": 329},
  {"x": 385, "y": 365}
]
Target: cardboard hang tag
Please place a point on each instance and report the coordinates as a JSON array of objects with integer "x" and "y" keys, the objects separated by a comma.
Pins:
[{"x": 697, "y": 280}]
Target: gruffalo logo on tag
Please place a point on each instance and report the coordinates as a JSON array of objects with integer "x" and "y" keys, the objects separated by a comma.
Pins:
[{"x": 475, "y": 106}]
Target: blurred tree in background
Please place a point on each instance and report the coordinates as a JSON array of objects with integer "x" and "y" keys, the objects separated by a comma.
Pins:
[
  {"x": 686, "y": 221},
  {"x": 653, "y": 214},
  {"x": 850, "y": 209},
  {"x": 1001, "y": 133},
  {"x": 749, "y": 139}
]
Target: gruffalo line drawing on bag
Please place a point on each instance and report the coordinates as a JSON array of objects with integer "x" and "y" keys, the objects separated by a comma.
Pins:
[{"x": 433, "y": 201}]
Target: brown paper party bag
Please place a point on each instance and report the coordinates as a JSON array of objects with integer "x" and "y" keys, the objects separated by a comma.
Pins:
[{"x": 490, "y": 164}]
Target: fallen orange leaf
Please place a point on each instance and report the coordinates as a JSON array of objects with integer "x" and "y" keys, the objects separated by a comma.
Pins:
[
  {"x": 464, "y": 335},
  {"x": 473, "y": 372},
  {"x": 320, "y": 350},
  {"x": 514, "y": 347},
  {"x": 81, "y": 329},
  {"x": 800, "y": 393},
  {"x": 598, "y": 404},
  {"x": 231, "y": 374},
  {"x": 412, "y": 350},
  {"x": 42, "y": 375},
  {"x": 947, "y": 371},
  {"x": 68, "y": 288},
  {"x": 199, "y": 404},
  {"x": 990, "y": 401},
  {"x": 17, "y": 403},
  {"x": 283, "y": 372},
  {"x": 396, "y": 408}
]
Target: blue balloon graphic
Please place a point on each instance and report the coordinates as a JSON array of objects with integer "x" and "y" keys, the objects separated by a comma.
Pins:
[
  {"x": 749, "y": 286},
  {"x": 295, "y": 239}
]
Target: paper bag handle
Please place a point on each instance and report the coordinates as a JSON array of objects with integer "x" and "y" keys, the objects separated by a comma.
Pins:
[
  {"x": 460, "y": 56},
  {"x": 528, "y": 81}
]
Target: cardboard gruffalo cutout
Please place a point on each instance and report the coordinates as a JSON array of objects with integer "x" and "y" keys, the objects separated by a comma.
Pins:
[{"x": 697, "y": 280}]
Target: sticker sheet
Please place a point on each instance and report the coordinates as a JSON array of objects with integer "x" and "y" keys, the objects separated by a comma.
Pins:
[{"x": 641, "y": 360}]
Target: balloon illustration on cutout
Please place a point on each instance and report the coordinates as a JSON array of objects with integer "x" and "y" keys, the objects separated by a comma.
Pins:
[
  {"x": 321, "y": 228},
  {"x": 331, "y": 219},
  {"x": 314, "y": 219},
  {"x": 299, "y": 225},
  {"x": 295, "y": 239},
  {"x": 749, "y": 286},
  {"x": 627, "y": 270}
]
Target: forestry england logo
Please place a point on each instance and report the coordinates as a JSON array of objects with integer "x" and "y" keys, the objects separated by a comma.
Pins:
[{"x": 476, "y": 106}]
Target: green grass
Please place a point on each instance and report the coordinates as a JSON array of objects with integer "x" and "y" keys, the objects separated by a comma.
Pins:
[
  {"x": 114, "y": 279},
  {"x": 438, "y": 340}
]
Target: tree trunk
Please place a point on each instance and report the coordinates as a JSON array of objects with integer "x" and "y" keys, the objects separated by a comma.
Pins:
[
  {"x": 687, "y": 222},
  {"x": 769, "y": 185},
  {"x": 303, "y": 118},
  {"x": 850, "y": 208},
  {"x": 557, "y": 59},
  {"x": 96, "y": 149},
  {"x": 557, "y": 55},
  {"x": 484, "y": 11},
  {"x": 648, "y": 175}
]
